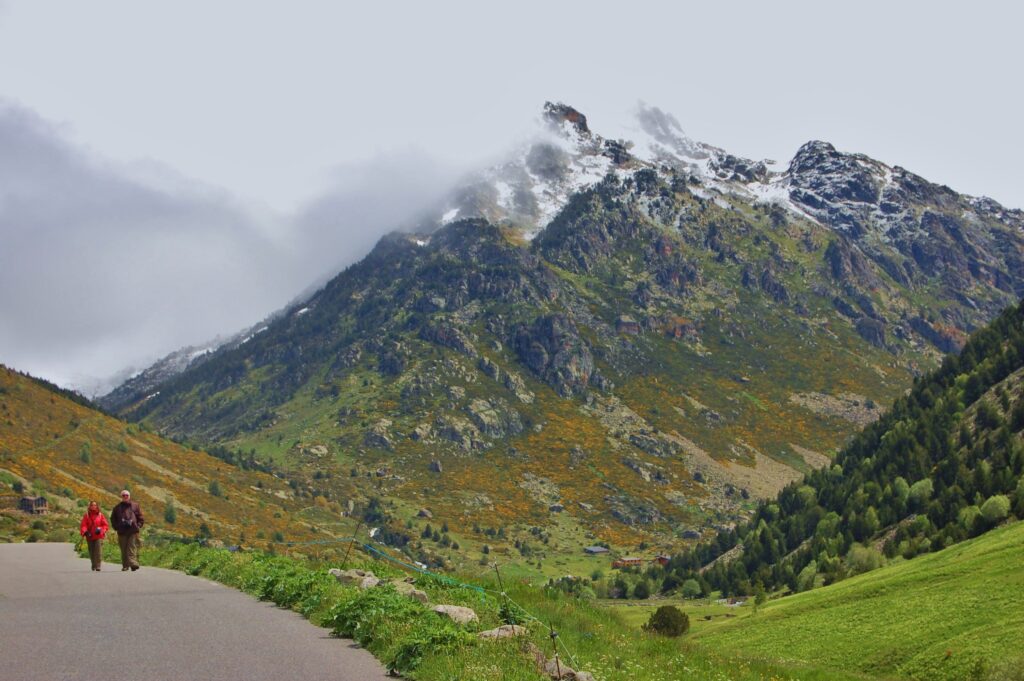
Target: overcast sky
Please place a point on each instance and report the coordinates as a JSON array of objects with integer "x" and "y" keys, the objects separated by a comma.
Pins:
[{"x": 173, "y": 171}]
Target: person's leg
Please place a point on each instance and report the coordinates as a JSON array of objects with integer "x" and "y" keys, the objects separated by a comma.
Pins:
[
  {"x": 133, "y": 551},
  {"x": 123, "y": 542},
  {"x": 94, "y": 553}
]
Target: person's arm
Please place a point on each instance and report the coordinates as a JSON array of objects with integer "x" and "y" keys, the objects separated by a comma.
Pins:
[
  {"x": 85, "y": 525},
  {"x": 138, "y": 514},
  {"x": 103, "y": 525}
]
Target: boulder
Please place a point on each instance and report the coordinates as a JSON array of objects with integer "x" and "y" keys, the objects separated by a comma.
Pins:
[
  {"x": 425, "y": 513},
  {"x": 871, "y": 330},
  {"x": 435, "y": 466},
  {"x": 363, "y": 579},
  {"x": 408, "y": 590},
  {"x": 504, "y": 631},
  {"x": 379, "y": 436},
  {"x": 457, "y": 613}
]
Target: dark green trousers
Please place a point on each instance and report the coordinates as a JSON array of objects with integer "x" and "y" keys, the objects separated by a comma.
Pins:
[{"x": 129, "y": 545}]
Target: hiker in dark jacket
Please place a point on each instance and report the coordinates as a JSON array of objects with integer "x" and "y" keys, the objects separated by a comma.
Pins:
[
  {"x": 127, "y": 520},
  {"x": 94, "y": 529}
]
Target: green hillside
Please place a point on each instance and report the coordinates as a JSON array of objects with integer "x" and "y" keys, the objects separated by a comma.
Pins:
[
  {"x": 953, "y": 615},
  {"x": 944, "y": 464}
]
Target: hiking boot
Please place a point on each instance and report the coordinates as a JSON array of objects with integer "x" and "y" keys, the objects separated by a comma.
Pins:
[
  {"x": 134, "y": 568},
  {"x": 124, "y": 569}
]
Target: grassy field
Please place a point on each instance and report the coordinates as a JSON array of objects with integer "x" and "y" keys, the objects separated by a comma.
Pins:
[
  {"x": 407, "y": 636},
  {"x": 956, "y": 614}
]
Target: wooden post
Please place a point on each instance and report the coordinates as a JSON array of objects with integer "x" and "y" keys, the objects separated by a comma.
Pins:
[
  {"x": 554, "y": 647},
  {"x": 344, "y": 563}
]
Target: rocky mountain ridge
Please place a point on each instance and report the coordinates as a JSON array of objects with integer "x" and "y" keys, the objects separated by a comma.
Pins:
[{"x": 681, "y": 338}]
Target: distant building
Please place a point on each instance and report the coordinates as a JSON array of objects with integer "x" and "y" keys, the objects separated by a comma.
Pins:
[
  {"x": 34, "y": 505},
  {"x": 595, "y": 550},
  {"x": 628, "y": 561},
  {"x": 662, "y": 559}
]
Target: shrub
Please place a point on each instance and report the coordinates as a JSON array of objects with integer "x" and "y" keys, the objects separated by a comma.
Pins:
[
  {"x": 642, "y": 590},
  {"x": 967, "y": 516},
  {"x": 996, "y": 508},
  {"x": 691, "y": 588},
  {"x": 170, "y": 515},
  {"x": 805, "y": 580},
  {"x": 863, "y": 559},
  {"x": 668, "y": 620},
  {"x": 510, "y": 613},
  {"x": 921, "y": 491}
]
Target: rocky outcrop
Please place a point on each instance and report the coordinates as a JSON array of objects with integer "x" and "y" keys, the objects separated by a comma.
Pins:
[
  {"x": 557, "y": 113},
  {"x": 517, "y": 386},
  {"x": 460, "y": 431},
  {"x": 946, "y": 339},
  {"x": 553, "y": 350},
  {"x": 775, "y": 289},
  {"x": 654, "y": 445},
  {"x": 871, "y": 330},
  {"x": 379, "y": 435},
  {"x": 450, "y": 337},
  {"x": 494, "y": 418},
  {"x": 630, "y": 511}
]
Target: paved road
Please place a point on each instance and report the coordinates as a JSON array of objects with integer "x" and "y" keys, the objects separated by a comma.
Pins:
[{"x": 59, "y": 621}]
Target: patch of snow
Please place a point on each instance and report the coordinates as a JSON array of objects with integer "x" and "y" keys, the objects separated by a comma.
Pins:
[
  {"x": 424, "y": 242},
  {"x": 449, "y": 216},
  {"x": 506, "y": 195},
  {"x": 301, "y": 312}
]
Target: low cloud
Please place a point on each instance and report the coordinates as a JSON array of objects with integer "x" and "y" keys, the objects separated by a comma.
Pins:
[{"x": 106, "y": 266}]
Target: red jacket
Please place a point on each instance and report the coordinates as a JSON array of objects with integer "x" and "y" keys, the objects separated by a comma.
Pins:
[{"x": 94, "y": 526}]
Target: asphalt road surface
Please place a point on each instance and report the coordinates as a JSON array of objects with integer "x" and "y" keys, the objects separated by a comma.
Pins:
[{"x": 59, "y": 621}]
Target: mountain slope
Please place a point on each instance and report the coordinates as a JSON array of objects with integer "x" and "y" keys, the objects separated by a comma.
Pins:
[
  {"x": 944, "y": 464},
  {"x": 643, "y": 358},
  {"x": 69, "y": 453}
]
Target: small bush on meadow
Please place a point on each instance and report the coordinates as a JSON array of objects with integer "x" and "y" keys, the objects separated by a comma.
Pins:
[
  {"x": 668, "y": 620},
  {"x": 996, "y": 508},
  {"x": 863, "y": 559}
]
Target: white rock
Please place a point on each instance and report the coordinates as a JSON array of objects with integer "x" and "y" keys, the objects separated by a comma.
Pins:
[
  {"x": 504, "y": 631},
  {"x": 457, "y": 613}
]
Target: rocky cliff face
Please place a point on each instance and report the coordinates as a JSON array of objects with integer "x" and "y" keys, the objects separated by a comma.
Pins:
[{"x": 675, "y": 317}]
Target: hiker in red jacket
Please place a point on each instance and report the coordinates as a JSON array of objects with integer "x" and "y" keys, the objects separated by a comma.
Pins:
[
  {"x": 94, "y": 529},
  {"x": 127, "y": 521}
]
